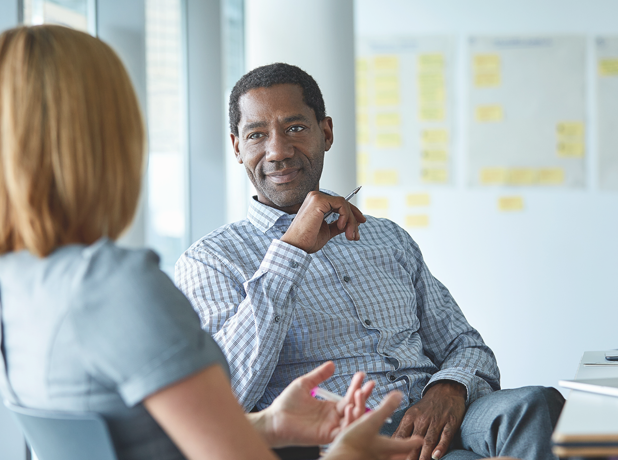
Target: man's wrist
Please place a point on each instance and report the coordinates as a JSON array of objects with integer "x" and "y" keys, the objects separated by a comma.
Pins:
[{"x": 449, "y": 386}]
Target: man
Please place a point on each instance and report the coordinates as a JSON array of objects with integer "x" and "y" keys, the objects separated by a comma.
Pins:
[{"x": 285, "y": 289}]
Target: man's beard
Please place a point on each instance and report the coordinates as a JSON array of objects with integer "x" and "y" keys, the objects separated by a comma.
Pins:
[{"x": 291, "y": 197}]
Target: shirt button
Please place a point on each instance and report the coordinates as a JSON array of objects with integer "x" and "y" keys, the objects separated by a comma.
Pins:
[
  {"x": 368, "y": 322},
  {"x": 346, "y": 278},
  {"x": 294, "y": 264},
  {"x": 277, "y": 318}
]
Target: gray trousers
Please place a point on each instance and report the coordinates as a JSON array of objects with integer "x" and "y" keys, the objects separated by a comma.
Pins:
[{"x": 507, "y": 423}]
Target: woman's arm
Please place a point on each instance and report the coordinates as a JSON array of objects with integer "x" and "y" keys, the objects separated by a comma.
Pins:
[{"x": 201, "y": 415}]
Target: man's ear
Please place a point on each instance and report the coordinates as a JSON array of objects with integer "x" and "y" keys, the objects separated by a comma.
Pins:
[
  {"x": 327, "y": 129},
  {"x": 235, "y": 142}
]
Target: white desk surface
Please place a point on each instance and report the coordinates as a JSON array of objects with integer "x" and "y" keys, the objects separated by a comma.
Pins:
[{"x": 590, "y": 417}]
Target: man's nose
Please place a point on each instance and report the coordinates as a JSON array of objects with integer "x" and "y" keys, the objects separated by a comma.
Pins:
[{"x": 279, "y": 147}]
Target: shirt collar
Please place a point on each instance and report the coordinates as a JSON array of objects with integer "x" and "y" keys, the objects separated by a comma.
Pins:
[{"x": 265, "y": 217}]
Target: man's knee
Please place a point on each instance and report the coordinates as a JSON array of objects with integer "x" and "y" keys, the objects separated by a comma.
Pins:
[
  {"x": 517, "y": 405},
  {"x": 537, "y": 398}
]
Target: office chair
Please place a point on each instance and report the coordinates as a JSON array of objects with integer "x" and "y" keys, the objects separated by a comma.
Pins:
[{"x": 64, "y": 436}]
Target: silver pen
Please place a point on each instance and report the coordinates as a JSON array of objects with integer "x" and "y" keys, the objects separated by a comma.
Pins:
[{"x": 347, "y": 198}]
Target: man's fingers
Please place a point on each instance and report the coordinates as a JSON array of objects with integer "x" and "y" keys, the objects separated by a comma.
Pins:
[
  {"x": 407, "y": 424},
  {"x": 445, "y": 441},
  {"x": 431, "y": 438},
  {"x": 358, "y": 215},
  {"x": 420, "y": 430}
]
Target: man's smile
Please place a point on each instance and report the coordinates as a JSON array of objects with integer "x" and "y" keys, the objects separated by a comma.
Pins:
[{"x": 284, "y": 176}]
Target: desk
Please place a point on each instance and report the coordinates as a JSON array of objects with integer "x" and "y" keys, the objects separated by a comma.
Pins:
[{"x": 588, "y": 425}]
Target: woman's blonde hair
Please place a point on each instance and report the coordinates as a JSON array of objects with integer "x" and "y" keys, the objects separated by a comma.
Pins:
[{"x": 72, "y": 140}]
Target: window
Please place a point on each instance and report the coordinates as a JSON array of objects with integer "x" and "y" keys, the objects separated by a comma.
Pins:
[
  {"x": 165, "y": 82},
  {"x": 78, "y": 14}
]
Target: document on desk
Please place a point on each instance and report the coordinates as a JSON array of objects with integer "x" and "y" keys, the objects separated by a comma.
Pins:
[
  {"x": 607, "y": 387},
  {"x": 597, "y": 358}
]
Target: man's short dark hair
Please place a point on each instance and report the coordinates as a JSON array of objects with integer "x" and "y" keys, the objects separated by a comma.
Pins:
[{"x": 276, "y": 74}]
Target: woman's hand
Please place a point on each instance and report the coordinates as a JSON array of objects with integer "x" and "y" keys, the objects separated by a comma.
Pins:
[
  {"x": 361, "y": 441},
  {"x": 296, "y": 418}
]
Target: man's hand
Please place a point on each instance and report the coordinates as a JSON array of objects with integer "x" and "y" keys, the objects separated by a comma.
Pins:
[
  {"x": 310, "y": 232},
  {"x": 436, "y": 418},
  {"x": 297, "y": 418}
]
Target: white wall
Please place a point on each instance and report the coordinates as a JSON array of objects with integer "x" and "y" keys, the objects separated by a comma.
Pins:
[{"x": 538, "y": 284}]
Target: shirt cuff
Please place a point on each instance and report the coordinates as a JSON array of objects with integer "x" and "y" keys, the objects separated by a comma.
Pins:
[
  {"x": 286, "y": 260},
  {"x": 458, "y": 375}
]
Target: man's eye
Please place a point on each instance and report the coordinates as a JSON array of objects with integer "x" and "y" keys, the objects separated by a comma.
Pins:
[
  {"x": 254, "y": 136},
  {"x": 296, "y": 129}
]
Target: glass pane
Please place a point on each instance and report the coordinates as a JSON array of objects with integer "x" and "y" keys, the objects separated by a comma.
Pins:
[
  {"x": 166, "y": 221},
  {"x": 78, "y": 14}
]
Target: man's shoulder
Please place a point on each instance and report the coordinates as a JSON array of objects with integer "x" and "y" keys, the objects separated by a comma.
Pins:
[
  {"x": 384, "y": 230},
  {"x": 226, "y": 236}
]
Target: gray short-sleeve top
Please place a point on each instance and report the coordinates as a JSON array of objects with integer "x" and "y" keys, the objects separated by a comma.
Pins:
[{"x": 99, "y": 328}]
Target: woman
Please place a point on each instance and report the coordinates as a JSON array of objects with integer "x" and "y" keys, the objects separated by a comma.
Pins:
[{"x": 89, "y": 326}]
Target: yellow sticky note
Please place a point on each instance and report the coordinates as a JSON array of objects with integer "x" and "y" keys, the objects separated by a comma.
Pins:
[
  {"x": 521, "y": 176},
  {"x": 489, "y": 113},
  {"x": 386, "y": 62},
  {"x": 431, "y": 60},
  {"x": 434, "y": 155},
  {"x": 551, "y": 176},
  {"x": 431, "y": 113},
  {"x": 388, "y": 119},
  {"x": 570, "y": 129},
  {"x": 511, "y": 203},
  {"x": 386, "y": 82},
  {"x": 362, "y": 99},
  {"x": 434, "y": 175},
  {"x": 418, "y": 199},
  {"x": 608, "y": 67},
  {"x": 428, "y": 81},
  {"x": 434, "y": 136},
  {"x": 432, "y": 96},
  {"x": 385, "y": 98},
  {"x": 388, "y": 140},
  {"x": 362, "y": 65},
  {"x": 386, "y": 177},
  {"x": 487, "y": 80},
  {"x": 374, "y": 203},
  {"x": 376, "y": 206},
  {"x": 486, "y": 63},
  {"x": 362, "y": 159},
  {"x": 362, "y": 118},
  {"x": 493, "y": 176},
  {"x": 417, "y": 221},
  {"x": 570, "y": 149}
]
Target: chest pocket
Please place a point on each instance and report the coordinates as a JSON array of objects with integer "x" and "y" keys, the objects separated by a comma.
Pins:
[{"x": 381, "y": 288}]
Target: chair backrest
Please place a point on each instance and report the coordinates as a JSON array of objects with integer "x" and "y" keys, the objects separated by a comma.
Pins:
[{"x": 63, "y": 435}]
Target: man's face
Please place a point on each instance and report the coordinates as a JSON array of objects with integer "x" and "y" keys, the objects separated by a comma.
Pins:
[{"x": 281, "y": 144}]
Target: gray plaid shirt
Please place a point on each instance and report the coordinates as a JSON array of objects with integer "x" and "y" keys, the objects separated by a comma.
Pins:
[{"x": 371, "y": 305}]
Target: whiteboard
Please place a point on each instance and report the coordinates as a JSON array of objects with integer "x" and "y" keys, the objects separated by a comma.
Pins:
[{"x": 533, "y": 268}]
